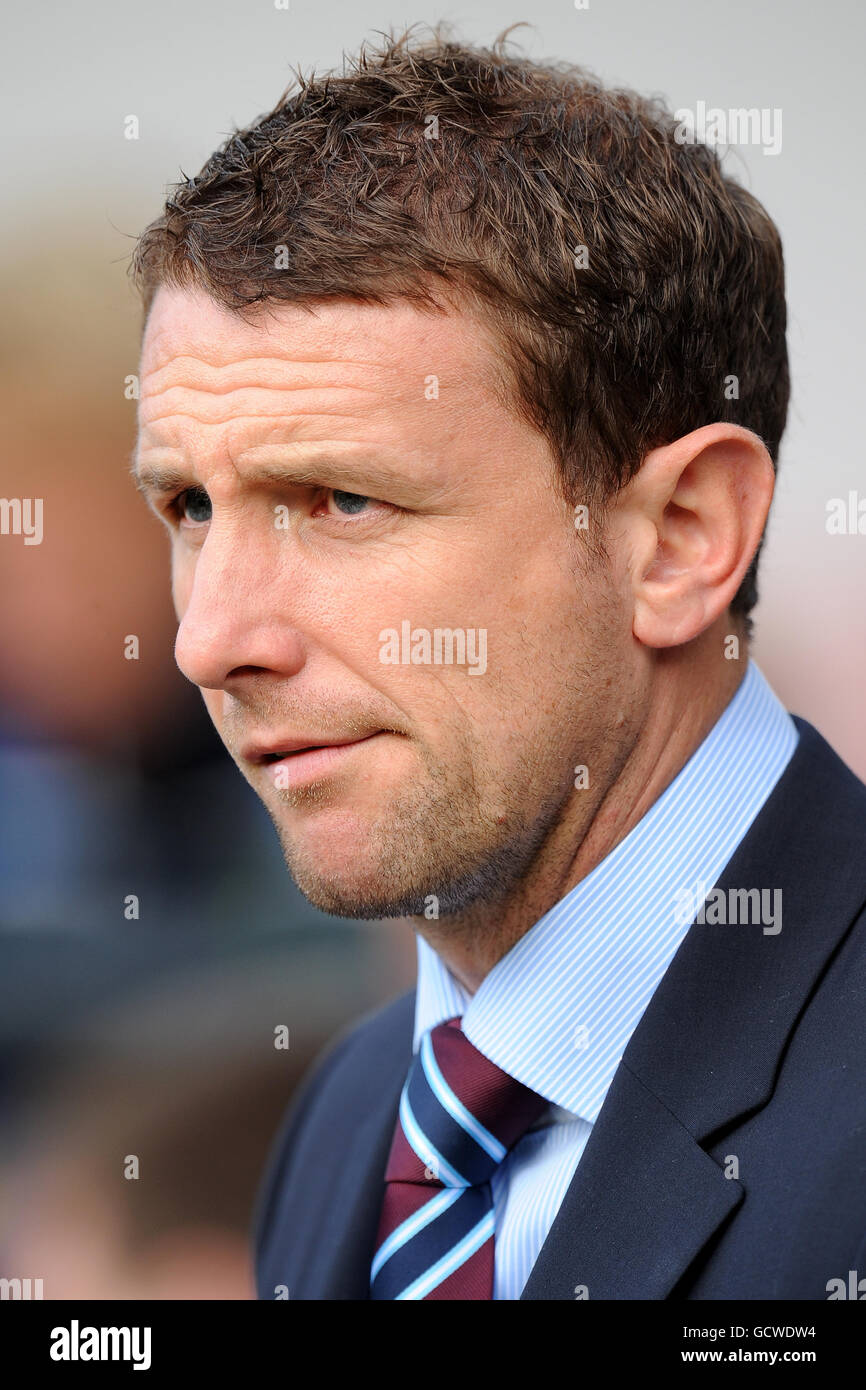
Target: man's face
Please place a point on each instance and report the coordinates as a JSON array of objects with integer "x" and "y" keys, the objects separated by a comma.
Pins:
[{"x": 338, "y": 484}]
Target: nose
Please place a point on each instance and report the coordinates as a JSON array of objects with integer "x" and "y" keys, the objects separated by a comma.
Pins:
[{"x": 232, "y": 622}]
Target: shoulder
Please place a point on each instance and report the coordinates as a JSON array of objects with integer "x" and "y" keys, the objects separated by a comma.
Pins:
[
  {"x": 815, "y": 818},
  {"x": 833, "y": 778}
]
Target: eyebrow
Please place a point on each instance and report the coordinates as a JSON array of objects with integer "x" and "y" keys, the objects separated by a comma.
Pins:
[
  {"x": 167, "y": 478},
  {"x": 162, "y": 480}
]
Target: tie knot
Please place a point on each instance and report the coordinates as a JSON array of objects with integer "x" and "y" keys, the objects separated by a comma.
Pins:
[{"x": 459, "y": 1113}]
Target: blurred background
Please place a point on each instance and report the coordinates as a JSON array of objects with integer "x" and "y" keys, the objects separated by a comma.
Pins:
[{"x": 151, "y": 941}]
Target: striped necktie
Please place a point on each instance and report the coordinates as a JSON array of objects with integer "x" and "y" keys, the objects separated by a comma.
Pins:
[{"x": 459, "y": 1116}]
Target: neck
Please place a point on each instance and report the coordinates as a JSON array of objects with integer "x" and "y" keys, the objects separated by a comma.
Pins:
[{"x": 688, "y": 692}]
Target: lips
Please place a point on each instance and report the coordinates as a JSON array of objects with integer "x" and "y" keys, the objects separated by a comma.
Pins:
[
  {"x": 275, "y": 751},
  {"x": 294, "y": 767}
]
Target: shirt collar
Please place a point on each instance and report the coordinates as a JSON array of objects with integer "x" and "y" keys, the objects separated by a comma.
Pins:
[{"x": 558, "y": 1010}]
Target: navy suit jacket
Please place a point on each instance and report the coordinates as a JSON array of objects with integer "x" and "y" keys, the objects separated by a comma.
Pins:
[{"x": 753, "y": 1048}]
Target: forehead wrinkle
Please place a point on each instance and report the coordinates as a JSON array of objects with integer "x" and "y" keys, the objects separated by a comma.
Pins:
[
  {"x": 256, "y": 383},
  {"x": 199, "y": 408},
  {"x": 240, "y": 419},
  {"x": 239, "y": 403},
  {"x": 254, "y": 365},
  {"x": 229, "y": 411},
  {"x": 188, "y": 432}
]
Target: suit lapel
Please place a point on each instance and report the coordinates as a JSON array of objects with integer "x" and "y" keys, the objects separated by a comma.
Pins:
[
  {"x": 644, "y": 1201},
  {"x": 346, "y": 1242},
  {"x": 646, "y": 1197}
]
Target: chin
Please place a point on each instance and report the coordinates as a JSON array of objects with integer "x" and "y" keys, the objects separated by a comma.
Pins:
[
  {"x": 331, "y": 861},
  {"x": 345, "y": 869},
  {"x": 359, "y": 897}
]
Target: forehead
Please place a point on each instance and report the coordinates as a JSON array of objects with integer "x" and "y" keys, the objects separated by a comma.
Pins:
[
  {"x": 397, "y": 339},
  {"x": 217, "y": 386}
]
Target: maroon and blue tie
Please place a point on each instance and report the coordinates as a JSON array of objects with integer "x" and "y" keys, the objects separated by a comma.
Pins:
[{"x": 459, "y": 1116}]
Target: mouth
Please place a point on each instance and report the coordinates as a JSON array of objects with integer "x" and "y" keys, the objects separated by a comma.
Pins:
[
  {"x": 294, "y": 765},
  {"x": 266, "y": 756}
]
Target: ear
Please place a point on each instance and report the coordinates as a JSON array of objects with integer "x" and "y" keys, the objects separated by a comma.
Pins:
[{"x": 690, "y": 522}]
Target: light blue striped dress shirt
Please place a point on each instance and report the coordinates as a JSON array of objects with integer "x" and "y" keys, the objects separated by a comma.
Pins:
[{"x": 558, "y": 1010}]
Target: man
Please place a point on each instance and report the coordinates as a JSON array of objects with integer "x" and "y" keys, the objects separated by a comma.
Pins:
[{"x": 462, "y": 388}]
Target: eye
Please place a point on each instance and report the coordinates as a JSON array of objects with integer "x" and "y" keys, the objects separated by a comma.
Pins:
[
  {"x": 349, "y": 503},
  {"x": 348, "y": 509},
  {"x": 193, "y": 506}
]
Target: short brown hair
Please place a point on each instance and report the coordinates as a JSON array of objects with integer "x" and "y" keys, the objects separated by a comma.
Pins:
[{"x": 429, "y": 170}]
